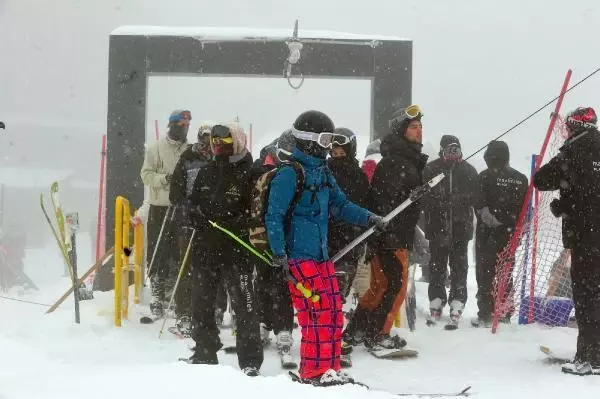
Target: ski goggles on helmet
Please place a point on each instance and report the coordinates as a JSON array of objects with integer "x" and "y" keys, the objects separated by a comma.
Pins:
[
  {"x": 221, "y": 134},
  {"x": 324, "y": 139},
  {"x": 411, "y": 112}
]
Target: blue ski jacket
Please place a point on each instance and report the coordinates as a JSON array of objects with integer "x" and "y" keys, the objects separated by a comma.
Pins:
[{"x": 304, "y": 235}]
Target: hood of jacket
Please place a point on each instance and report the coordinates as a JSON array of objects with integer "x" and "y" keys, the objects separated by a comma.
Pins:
[{"x": 497, "y": 154}]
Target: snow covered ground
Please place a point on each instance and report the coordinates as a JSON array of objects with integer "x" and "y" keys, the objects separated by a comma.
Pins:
[{"x": 49, "y": 356}]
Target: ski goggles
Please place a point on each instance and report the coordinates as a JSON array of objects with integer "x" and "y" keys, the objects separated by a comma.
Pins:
[
  {"x": 324, "y": 139},
  {"x": 221, "y": 134},
  {"x": 411, "y": 112},
  {"x": 452, "y": 152}
]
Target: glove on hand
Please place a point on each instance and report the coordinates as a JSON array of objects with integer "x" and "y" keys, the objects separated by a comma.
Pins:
[
  {"x": 488, "y": 219},
  {"x": 378, "y": 222},
  {"x": 281, "y": 263}
]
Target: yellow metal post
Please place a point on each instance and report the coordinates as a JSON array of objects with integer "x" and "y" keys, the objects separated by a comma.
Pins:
[
  {"x": 138, "y": 247},
  {"x": 125, "y": 254},
  {"x": 118, "y": 258}
]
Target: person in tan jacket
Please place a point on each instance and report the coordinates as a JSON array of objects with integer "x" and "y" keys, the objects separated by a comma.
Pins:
[{"x": 159, "y": 163}]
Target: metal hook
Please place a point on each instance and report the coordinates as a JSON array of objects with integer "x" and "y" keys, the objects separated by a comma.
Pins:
[{"x": 295, "y": 47}]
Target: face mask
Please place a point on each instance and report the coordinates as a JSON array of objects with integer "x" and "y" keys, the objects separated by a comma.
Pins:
[{"x": 178, "y": 132}]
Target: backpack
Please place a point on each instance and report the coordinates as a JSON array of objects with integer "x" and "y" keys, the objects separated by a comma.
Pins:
[{"x": 260, "y": 203}]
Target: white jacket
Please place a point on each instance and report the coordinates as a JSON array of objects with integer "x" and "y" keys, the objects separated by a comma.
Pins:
[{"x": 161, "y": 158}]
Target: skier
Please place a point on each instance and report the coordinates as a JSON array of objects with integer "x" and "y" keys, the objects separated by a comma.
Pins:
[
  {"x": 396, "y": 175},
  {"x": 191, "y": 161},
  {"x": 299, "y": 244},
  {"x": 354, "y": 183},
  {"x": 274, "y": 302},
  {"x": 222, "y": 193},
  {"x": 502, "y": 191},
  {"x": 575, "y": 172},
  {"x": 448, "y": 210},
  {"x": 156, "y": 173}
]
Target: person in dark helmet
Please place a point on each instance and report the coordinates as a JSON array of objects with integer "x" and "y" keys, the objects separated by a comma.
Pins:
[
  {"x": 501, "y": 192},
  {"x": 396, "y": 175},
  {"x": 354, "y": 183},
  {"x": 274, "y": 302},
  {"x": 297, "y": 237},
  {"x": 222, "y": 194},
  {"x": 157, "y": 173},
  {"x": 575, "y": 173},
  {"x": 448, "y": 211},
  {"x": 191, "y": 161}
]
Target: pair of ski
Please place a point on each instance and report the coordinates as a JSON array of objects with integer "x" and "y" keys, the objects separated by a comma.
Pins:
[
  {"x": 451, "y": 325},
  {"x": 465, "y": 392},
  {"x": 61, "y": 241}
]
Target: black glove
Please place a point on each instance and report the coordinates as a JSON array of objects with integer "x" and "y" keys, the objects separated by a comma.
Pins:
[
  {"x": 281, "y": 263},
  {"x": 168, "y": 178},
  {"x": 378, "y": 222},
  {"x": 558, "y": 208}
]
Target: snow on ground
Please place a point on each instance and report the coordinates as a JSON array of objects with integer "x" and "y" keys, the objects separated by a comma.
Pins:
[{"x": 49, "y": 356}]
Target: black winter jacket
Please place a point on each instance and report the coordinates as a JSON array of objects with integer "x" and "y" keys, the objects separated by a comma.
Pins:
[
  {"x": 396, "y": 175},
  {"x": 454, "y": 196},
  {"x": 222, "y": 193},
  {"x": 501, "y": 188},
  {"x": 185, "y": 173},
  {"x": 575, "y": 171},
  {"x": 355, "y": 184}
]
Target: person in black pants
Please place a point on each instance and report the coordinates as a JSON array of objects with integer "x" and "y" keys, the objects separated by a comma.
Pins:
[
  {"x": 502, "y": 191},
  {"x": 575, "y": 172},
  {"x": 222, "y": 194},
  {"x": 273, "y": 297},
  {"x": 354, "y": 183},
  {"x": 448, "y": 211}
]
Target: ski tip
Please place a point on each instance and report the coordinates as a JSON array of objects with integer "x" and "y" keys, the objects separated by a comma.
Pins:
[
  {"x": 146, "y": 320},
  {"x": 465, "y": 392}
]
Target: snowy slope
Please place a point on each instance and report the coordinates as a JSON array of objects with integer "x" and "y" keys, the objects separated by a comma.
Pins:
[{"x": 48, "y": 356}]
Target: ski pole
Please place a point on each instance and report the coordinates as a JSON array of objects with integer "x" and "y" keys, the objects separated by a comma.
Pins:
[
  {"x": 413, "y": 196},
  {"x": 181, "y": 269},
  {"x": 307, "y": 293},
  {"x": 160, "y": 234}
]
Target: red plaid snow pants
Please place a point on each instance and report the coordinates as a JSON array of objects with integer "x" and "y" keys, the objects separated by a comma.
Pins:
[{"x": 321, "y": 322}]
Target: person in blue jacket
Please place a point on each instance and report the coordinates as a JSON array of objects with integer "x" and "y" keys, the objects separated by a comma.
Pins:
[{"x": 297, "y": 233}]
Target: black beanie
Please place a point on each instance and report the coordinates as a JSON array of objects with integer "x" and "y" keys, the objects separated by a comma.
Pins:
[{"x": 448, "y": 139}]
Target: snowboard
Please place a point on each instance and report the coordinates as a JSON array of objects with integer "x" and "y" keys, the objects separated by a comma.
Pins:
[
  {"x": 287, "y": 362},
  {"x": 553, "y": 356},
  {"x": 394, "y": 353}
]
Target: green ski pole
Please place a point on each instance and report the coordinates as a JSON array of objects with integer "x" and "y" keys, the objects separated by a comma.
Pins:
[{"x": 305, "y": 291}]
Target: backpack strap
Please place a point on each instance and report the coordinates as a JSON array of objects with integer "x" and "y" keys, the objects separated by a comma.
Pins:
[{"x": 299, "y": 180}]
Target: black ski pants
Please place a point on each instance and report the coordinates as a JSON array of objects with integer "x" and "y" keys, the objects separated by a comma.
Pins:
[
  {"x": 456, "y": 256},
  {"x": 273, "y": 297},
  {"x": 489, "y": 243},
  {"x": 345, "y": 269},
  {"x": 167, "y": 261},
  {"x": 585, "y": 275},
  {"x": 216, "y": 260}
]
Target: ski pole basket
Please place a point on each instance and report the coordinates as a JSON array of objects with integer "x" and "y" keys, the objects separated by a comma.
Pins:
[{"x": 123, "y": 264}]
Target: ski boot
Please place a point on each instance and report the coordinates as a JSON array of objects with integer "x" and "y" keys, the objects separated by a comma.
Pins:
[
  {"x": 251, "y": 371},
  {"x": 456, "y": 309},
  {"x": 184, "y": 325},
  {"x": 435, "y": 312},
  {"x": 265, "y": 335},
  {"x": 284, "y": 349},
  {"x": 157, "y": 309},
  {"x": 484, "y": 322},
  {"x": 579, "y": 367}
]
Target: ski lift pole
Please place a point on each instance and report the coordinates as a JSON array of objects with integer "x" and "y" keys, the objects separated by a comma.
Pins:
[{"x": 308, "y": 294}]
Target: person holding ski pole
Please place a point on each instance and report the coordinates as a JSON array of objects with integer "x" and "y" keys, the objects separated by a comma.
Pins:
[
  {"x": 222, "y": 194},
  {"x": 354, "y": 183},
  {"x": 296, "y": 222},
  {"x": 157, "y": 171},
  {"x": 399, "y": 172},
  {"x": 191, "y": 161}
]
